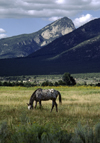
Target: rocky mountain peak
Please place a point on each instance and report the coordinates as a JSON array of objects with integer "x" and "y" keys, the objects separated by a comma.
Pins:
[
  {"x": 56, "y": 29},
  {"x": 23, "y": 45}
]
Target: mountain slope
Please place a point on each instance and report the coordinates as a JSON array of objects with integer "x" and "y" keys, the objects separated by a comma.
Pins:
[
  {"x": 86, "y": 32},
  {"x": 23, "y": 45},
  {"x": 76, "y": 52}
]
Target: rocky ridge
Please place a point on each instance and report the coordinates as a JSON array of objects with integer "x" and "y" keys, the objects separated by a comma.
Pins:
[{"x": 23, "y": 45}]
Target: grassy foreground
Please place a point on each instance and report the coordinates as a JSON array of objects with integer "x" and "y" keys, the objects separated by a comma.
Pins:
[{"x": 79, "y": 104}]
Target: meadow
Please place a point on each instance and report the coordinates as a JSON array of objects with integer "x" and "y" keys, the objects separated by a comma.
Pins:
[{"x": 80, "y": 104}]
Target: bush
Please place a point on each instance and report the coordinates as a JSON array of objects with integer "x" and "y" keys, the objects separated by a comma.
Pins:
[
  {"x": 98, "y": 84},
  {"x": 0, "y": 83},
  {"x": 68, "y": 79},
  {"x": 40, "y": 134},
  {"x": 56, "y": 84},
  {"x": 5, "y": 84},
  {"x": 3, "y": 132},
  {"x": 47, "y": 83},
  {"x": 27, "y": 84},
  {"x": 86, "y": 134},
  {"x": 60, "y": 82},
  {"x": 28, "y": 132}
]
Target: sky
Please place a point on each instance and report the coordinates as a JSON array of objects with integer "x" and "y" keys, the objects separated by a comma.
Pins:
[{"x": 28, "y": 16}]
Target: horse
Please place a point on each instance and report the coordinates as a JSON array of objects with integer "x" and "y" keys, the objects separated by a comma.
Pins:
[{"x": 43, "y": 95}]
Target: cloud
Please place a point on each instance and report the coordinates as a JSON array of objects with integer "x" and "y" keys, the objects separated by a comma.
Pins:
[
  {"x": 2, "y": 30},
  {"x": 2, "y": 35},
  {"x": 83, "y": 19},
  {"x": 45, "y": 8},
  {"x": 54, "y": 18},
  {"x": 60, "y": 1}
]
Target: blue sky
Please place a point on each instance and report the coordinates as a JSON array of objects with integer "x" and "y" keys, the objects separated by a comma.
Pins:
[{"x": 28, "y": 16}]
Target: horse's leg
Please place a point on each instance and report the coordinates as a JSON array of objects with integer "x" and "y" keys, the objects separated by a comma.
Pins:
[
  {"x": 56, "y": 106},
  {"x": 52, "y": 105},
  {"x": 40, "y": 103},
  {"x": 35, "y": 104}
]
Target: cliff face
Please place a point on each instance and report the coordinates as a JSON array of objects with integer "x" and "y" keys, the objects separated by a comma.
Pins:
[
  {"x": 56, "y": 29},
  {"x": 23, "y": 45}
]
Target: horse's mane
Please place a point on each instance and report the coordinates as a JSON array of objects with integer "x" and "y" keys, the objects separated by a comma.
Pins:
[
  {"x": 34, "y": 94},
  {"x": 35, "y": 91}
]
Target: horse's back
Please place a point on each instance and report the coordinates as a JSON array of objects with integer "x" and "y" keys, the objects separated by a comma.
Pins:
[{"x": 46, "y": 94}]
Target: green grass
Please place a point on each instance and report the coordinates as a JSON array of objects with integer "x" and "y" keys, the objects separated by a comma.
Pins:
[{"x": 79, "y": 104}]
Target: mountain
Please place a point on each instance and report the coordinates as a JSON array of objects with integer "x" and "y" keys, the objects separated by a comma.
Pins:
[
  {"x": 71, "y": 40},
  {"x": 76, "y": 52},
  {"x": 23, "y": 45}
]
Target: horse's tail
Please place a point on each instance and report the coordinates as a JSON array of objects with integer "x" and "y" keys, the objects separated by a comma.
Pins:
[{"x": 60, "y": 100}]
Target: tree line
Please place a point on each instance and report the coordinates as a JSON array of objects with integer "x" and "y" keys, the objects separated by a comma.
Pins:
[{"x": 67, "y": 79}]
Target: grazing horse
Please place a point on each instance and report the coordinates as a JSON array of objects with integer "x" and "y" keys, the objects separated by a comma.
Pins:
[{"x": 43, "y": 95}]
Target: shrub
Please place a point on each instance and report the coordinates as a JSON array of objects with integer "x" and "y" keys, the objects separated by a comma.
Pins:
[
  {"x": 27, "y": 84},
  {"x": 3, "y": 132},
  {"x": 97, "y": 133},
  {"x": 0, "y": 83},
  {"x": 5, "y": 84},
  {"x": 60, "y": 82},
  {"x": 98, "y": 84},
  {"x": 86, "y": 134},
  {"x": 40, "y": 134},
  {"x": 47, "y": 83},
  {"x": 28, "y": 132},
  {"x": 56, "y": 84},
  {"x": 68, "y": 79}
]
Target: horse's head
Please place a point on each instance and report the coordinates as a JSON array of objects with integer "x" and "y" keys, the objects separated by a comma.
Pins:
[{"x": 30, "y": 106}]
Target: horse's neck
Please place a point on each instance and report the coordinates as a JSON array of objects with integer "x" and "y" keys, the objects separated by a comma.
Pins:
[{"x": 32, "y": 99}]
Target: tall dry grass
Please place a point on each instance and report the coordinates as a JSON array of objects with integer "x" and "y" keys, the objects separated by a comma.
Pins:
[{"x": 79, "y": 104}]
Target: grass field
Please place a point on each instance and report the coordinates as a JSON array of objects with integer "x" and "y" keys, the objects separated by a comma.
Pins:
[{"x": 79, "y": 104}]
